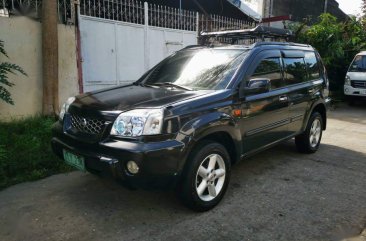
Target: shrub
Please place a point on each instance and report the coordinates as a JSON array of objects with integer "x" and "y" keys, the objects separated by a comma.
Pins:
[
  {"x": 25, "y": 151},
  {"x": 336, "y": 42}
]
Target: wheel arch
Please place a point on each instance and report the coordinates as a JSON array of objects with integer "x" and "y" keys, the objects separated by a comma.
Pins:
[
  {"x": 225, "y": 139},
  {"x": 218, "y": 127},
  {"x": 319, "y": 107}
]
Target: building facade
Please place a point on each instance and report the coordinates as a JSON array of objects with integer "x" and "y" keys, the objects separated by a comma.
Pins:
[{"x": 300, "y": 10}]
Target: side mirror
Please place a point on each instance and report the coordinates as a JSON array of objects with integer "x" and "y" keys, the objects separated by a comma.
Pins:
[{"x": 256, "y": 86}]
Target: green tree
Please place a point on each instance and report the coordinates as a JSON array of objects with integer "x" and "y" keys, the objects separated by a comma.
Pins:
[
  {"x": 363, "y": 14},
  {"x": 336, "y": 42},
  {"x": 7, "y": 68}
]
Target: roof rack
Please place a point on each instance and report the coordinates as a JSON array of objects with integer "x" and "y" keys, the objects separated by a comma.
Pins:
[
  {"x": 281, "y": 43},
  {"x": 259, "y": 33}
]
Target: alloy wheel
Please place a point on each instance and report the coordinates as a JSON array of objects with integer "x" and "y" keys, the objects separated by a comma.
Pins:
[
  {"x": 315, "y": 132},
  {"x": 210, "y": 177}
]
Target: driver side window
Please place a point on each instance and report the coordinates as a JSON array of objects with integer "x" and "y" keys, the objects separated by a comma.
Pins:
[{"x": 270, "y": 68}]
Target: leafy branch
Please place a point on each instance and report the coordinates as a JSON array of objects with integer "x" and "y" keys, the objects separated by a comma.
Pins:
[{"x": 7, "y": 68}]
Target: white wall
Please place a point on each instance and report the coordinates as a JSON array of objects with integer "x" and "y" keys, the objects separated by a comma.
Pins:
[
  {"x": 115, "y": 52},
  {"x": 23, "y": 42}
]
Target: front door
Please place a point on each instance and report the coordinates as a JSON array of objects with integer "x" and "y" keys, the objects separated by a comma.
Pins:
[{"x": 265, "y": 115}]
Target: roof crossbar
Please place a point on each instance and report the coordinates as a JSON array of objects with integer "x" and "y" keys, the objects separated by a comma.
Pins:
[{"x": 259, "y": 33}]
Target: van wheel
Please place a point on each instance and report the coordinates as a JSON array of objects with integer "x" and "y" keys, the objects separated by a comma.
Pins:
[
  {"x": 205, "y": 180},
  {"x": 309, "y": 141},
  {"x": 350, "y": 100}
]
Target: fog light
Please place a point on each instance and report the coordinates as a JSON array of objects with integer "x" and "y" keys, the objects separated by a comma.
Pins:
[
  {"x": 132, "y": 167},
  {"x": 346, "y": 90}
]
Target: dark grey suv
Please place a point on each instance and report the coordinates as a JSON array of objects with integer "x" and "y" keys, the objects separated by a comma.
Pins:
[{"x": 188, "y": 120}]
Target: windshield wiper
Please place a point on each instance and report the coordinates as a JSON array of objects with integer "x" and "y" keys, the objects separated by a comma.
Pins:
[
  {"x": 170, "y": 84},
  {"x": 142, "y": 84}
]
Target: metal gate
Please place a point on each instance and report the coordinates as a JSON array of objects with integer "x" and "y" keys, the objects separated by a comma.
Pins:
[{"x": 120, "y": 40}]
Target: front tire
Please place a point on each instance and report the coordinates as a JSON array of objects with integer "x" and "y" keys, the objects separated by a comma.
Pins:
[
  {"x": 206, "y": 177},
  {"x": 309, "y": 141}
]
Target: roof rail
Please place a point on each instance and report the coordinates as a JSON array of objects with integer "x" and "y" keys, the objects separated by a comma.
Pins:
[
  {"x": 260, "y": 33},
  {"x": 281, "y": 43}
]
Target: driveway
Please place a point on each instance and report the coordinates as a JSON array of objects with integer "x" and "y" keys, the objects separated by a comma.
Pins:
[{"x": 276, "y": 195}]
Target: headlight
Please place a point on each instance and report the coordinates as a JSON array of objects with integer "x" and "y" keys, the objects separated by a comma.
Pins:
[
  {"x": 65, "y": 107},
  {"x": 139, "y": 122},
  {"x": 348, "y": 80}
]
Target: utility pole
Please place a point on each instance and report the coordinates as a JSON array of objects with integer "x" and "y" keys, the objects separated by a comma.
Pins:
[
  {"x": 50, "y": 103},
  {"x": 271, "y": 9},
  {"x": 325, "y": 6}
]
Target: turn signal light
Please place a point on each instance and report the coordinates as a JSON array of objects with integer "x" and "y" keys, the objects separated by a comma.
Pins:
[{"x": 237, "y": 113}]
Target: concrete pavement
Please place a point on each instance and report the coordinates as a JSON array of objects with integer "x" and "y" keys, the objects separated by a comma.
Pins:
[{"x": 276, "y": 195}]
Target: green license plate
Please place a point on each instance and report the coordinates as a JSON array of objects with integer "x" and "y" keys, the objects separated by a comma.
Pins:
[{"x": 74, "y": 160}]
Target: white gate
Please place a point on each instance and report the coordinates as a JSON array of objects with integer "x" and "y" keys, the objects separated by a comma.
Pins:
[{"x": 120, "y": 40}]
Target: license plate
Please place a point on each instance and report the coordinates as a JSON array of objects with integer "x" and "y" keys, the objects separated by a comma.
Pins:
[{"x": 74, "y": 160}]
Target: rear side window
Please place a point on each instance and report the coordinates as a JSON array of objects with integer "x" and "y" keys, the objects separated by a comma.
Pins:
[
  {"x": 295, "y": 70},
  {"x": 312, "y": 65},
  {"x": 270, "y": 68}
]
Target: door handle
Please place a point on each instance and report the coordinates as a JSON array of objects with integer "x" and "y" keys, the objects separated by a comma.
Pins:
[{"x": 283, "y": 98}]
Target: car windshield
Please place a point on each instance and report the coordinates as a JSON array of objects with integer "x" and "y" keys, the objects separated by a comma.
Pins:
[
  {"x": 359, "y": 64},
  {"x": 203, "y": 69}
]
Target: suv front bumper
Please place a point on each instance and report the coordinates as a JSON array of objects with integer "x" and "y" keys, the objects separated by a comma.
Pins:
[
  {"x": 158, "y": 162},
  {"x": 349, "y": 90}
]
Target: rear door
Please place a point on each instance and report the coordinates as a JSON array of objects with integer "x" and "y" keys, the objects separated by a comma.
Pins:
[
  {"x": 266, "y": 115},
  {"x": 302, "y": 77}
]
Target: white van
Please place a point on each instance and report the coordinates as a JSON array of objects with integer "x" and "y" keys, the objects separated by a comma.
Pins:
[{"x": 355, "y": 83}]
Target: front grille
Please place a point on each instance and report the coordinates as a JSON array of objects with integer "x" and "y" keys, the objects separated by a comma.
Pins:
[
  {"x": 358, "y": 84},
  {"x": 87, "y": 125}
]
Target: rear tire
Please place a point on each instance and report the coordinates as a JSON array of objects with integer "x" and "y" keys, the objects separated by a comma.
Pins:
[
  {"x": 205, "y": 180},
  {"x": 309, "y": 141}
]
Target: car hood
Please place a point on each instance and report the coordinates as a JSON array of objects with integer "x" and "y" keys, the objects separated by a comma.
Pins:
[
  {"x": 133, "y": 96},
  {"x": 357, "y": 75}
]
